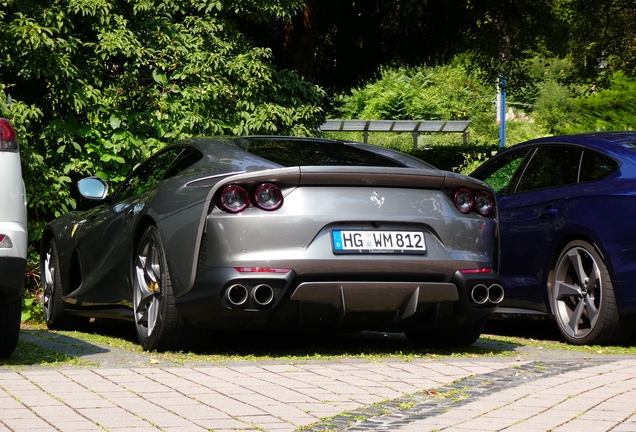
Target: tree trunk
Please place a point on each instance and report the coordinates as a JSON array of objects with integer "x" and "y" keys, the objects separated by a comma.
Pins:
[{"x": 300, "y": 41}]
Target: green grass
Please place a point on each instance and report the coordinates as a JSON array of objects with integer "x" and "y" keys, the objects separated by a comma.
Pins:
[
  {"x": 28, "y": 354},
  {"x": 558, "y": 345}
]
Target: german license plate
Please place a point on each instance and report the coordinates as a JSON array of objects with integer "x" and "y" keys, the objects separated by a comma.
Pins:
[{"x": 378, "y": 242}]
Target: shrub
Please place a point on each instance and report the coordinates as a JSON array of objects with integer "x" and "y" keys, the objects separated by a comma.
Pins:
[{"x": 612, "y": 108}]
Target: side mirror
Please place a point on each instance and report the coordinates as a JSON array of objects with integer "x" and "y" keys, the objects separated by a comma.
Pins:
[{"x": 93, "y": 188}]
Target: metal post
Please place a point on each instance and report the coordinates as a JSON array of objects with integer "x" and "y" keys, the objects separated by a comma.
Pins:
[
  {"x": 502, "y": 111},
  {"x": 415, "y": 135}
]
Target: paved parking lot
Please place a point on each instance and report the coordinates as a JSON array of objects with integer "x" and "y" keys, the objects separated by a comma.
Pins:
[{"x": 534, "y": 391}]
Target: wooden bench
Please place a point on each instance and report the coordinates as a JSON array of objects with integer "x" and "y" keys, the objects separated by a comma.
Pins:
[{"x": 415, "y": 127}]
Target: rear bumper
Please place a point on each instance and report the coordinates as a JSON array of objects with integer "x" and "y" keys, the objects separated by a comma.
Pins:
[
  {"x": 12, "y": 272},
  {"x": 332, "y": 305},
  {"x": 17, "y": 233}
]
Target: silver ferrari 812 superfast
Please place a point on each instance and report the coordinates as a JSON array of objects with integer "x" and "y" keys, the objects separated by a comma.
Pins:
[{"x": 277, "y": 233}]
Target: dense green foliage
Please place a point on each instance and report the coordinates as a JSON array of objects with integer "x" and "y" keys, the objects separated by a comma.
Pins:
[
  {"x": 95, "y": 86},
  {"x": 550, "y": 102},
  {"x": 448, "y": 92},
  {"x": 601, "y": 29},
  {"x": 611, "y": 108}
]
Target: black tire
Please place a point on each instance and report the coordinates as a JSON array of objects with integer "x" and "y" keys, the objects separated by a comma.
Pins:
[
  {"x": 158, "y": 323},
  {"x": 583, "y": 299},
  {"x": 459, "y": 336},
  {"x": 55, "y": 316},
  {"x": 10, "y": 316}
]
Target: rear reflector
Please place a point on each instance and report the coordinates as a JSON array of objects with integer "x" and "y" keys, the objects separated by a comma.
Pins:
[
  {"x": 5, "y": 242},
  {"x": 474, "y": 271},
  {"x": 261, "y": 270}
]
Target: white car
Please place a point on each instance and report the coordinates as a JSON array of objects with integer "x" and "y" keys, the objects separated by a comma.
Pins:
[{"x": 13, "y": 238}]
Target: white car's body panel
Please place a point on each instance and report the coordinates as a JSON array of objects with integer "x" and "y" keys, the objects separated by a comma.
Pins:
[
  {"x": 13, "y": 238},
  {"x": 13, "y": 213}
]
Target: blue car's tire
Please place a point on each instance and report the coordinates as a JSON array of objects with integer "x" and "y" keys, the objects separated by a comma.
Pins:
[
  {"x": 10, "y": 313},
  {"x": 583, "y": 300}
]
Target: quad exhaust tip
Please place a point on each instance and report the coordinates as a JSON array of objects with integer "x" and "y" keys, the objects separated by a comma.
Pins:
[
  {"x": 236, "y": 295},
  {"x": 481, "y": 293},
  {"x": 262, "y": 295}
]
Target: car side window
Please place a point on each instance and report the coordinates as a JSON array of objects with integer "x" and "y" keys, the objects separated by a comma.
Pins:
[
  {"x": 148, "y": 175},
  {"x": 551, "y": 166},
  {"x": 186, "y": 158},
  {"x": 596, "y": 166},
  {"x": 500, "y": 174}
]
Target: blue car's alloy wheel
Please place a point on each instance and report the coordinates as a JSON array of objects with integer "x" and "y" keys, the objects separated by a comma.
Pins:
[{"x": 583, "y": 298}]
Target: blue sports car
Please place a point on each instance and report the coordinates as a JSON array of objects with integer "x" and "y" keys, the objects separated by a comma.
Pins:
[{"x": 567, "y": 237}]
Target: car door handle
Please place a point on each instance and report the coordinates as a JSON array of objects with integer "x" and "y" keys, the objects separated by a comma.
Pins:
[{"x": 548, "y": 213}]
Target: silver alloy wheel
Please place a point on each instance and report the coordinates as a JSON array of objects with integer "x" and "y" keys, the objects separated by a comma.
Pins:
[
  {"x": 49, "y": 283},
  {"x": 147, "y": 286},
  {"x": 577, "y": 293}
]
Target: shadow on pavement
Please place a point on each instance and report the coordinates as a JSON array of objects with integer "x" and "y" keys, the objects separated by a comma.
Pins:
[
  {"x": 43, "y": 347},
  {"x": 524, "y": 326},
  {"x": 306, "y": 345}
]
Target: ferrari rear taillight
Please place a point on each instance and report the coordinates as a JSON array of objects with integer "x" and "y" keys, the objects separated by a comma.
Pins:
[
  {"x": 8, "y": 137},
  {"x": 463, "y": 200},
  {"x": 267, "y": 197},
  {"x": 234, "y": 199},
  {"x": 482, "y": 202}
]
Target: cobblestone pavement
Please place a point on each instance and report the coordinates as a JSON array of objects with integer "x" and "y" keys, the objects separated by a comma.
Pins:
[{"x": 533, "y": 391}]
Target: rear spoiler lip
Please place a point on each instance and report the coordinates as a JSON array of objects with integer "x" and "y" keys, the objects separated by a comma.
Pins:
[
  {"x": 372, "y": 176},
  {"x": 341, "y": 176}
]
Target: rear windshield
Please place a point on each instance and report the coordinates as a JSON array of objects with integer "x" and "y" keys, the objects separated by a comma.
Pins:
[{"x": 307, "y": 153}]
